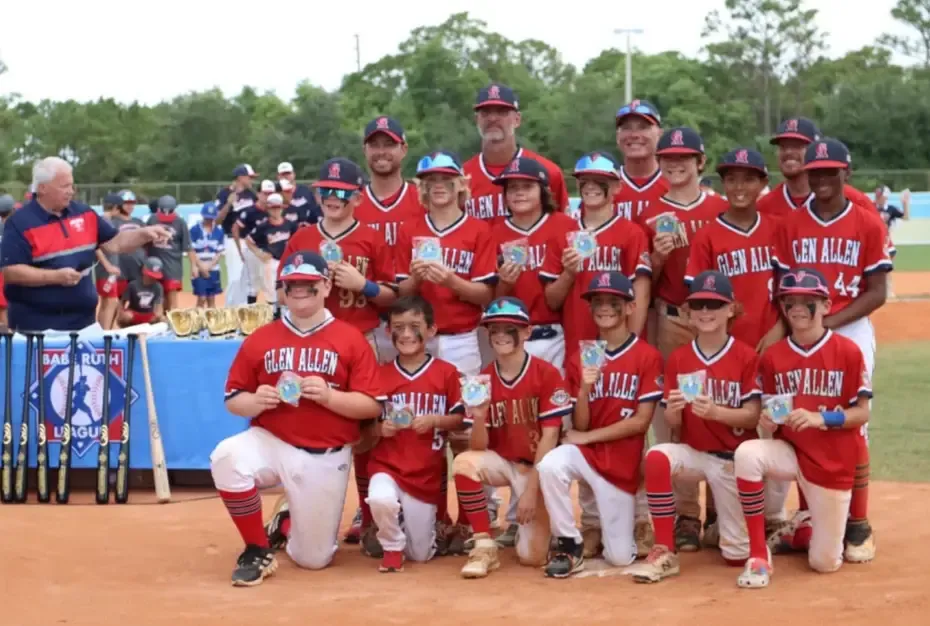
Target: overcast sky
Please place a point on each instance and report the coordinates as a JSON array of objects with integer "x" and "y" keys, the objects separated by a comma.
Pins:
[{"x": 150, "y": 51}]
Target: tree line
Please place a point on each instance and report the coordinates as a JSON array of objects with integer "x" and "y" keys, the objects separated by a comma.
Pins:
[{"x": 763, "y": 60}]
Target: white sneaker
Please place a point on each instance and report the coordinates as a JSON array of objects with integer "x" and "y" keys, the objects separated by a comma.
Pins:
[
  {"x": 482, "y": 560},
  {"x": 756, "y": 574},
  {"x": 661, "y": 563}
]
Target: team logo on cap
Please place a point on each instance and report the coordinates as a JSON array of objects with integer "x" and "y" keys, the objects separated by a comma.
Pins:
[
  {"x": 710, "y": 282},
  {"x": 603, "y": 280},
  {"x": 514, "y": 165},
  {"x": 595, "y": 156},
  {"x": 382, "y": 123},
  {"x": 742, "y": 156},
  {"x": 334, "y": 170},
  {"x": 678, "y": 139},
  {"x": 822, "y": 152},
  {"x": 791, "y": 126},
  {"x": 298, "y": 259},
  {"x": 634, "y": 104},
  {"x": 494, "y": 92}
]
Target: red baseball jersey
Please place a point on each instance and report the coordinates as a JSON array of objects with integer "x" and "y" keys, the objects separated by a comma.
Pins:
[
  {"x": 732, "y": 380},
  {"x": 522, "y": 407},
  {"x": 780, "y": 203},
  {"x": 334, "y": 350},
  {"x": 364, "y": 249},
  {"x": 487, "y": 199},
  {"x": 846, "y": 249},
  {"x": 671, "y": 285},
  {"x": 632, "y": 375},
  {"x": 549, "y": 230},
  {"x": 387, "y": 215},
  {"x": 417, "y": 462},
  {"x": 827, "y": 376},
  {"x": 621, "y": 247},
  {"x": 467, "y": 249},
  {"x": 637, "y": 194},
  {"x": 745, "y": 257}
]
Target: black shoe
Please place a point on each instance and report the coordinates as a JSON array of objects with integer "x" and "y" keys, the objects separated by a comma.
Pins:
[
  {"x": 687, "y": 534},
  {"x": 566, "y": 559},
  {"x": 276, "y": 537},
  {"x": 254, "y": 565}
]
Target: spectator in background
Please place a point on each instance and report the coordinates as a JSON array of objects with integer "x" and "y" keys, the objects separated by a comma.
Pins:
[
  {"x": 207, "y": 239},
  {"x": 251, "y": 217},
  {"x": 172, "y": 249},
  {"x": 303, "y": 197},
  {"x": 889, "y": 212},
  {"x": 144, "y": 300},
  {"x": 106, "y": 269},
  {"x": 7, "y": 206},
  {"x": 231, "y": 202},
  {"x": 48, "y": 249}
]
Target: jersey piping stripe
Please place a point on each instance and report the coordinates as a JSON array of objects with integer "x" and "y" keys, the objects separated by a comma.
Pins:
[
  {"x": 527, "y": 231},
  {"x": 685, "y": 207},
  {"x": 716, "y": 356},
  {"x": 386, "y": 208},
  {"x": 623, "y": 349},
  {"x": 440, "y": 232},
  {"x": 416, "y": 373},
  {"x": 516, "y": 381},
  {"x": 603, "y": 226},
  {"x": 790, "y": 200},
  {"x": 833, "y": 220},
  {"x": 655, "y": 396},
  {"x": 806, "y": 352},
  {"x": 649, "y": 182},
  {"x": 736, "y": 229},
  {"x": 286, "y": 320},
  {"x": 348, "y": 231}
]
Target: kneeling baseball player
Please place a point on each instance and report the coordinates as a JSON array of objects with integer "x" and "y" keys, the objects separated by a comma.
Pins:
[
  {"x": 616, "y": 395},
  {"x": 306, "y": 381},
  {"x": 821, "y": 377},
  {"x": 422, "y": 396},
  {"x": 712, "y": 416},
  {"x": 510, "y": 434}
]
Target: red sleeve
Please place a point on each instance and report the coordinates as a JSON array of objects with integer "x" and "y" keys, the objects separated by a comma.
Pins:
[
  {"x": 767, "y": 373},
  {"x": 856, "y": 381},
  {"x": 876, "y": 248},
  {"x": 402, "y": 253},
  {"x": 859, "y": 198},
  {"x": 573, "y": 372},
  {"x": 782, "y": 258},
  {"x": 636, "y": 253},
  {"x": 749, "y": 381},
  {"x": 670, "y": 377},
  {"x": 552, "y": 265},
  {"x": 559, "y": 190},
  {"x": 484, "y": 269},
  {"x": 383, "y": 270},
  {"x": 700, "y": 256},
  {"x": 454, "y": 394},
  {"x": 363, "y": 368},
  {"x": 554, "y": 399},
  {"x": 652, "y": 383},
  {"x": 243, "y": 373}
]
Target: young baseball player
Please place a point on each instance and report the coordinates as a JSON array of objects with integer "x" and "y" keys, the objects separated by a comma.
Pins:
[
  {"x": 301, "y": 205},
  {"x": 171, "y": 253},
  {"x": 208, "y": 241},
  {"x": 408, "y": 464},
  {"x": 143, "y": 302},
  {"x": 511, "y": 433},
  {"x": 614, "y": 403},
  {"x": 825, "y": 378},
  {"x": 846, "y": 243},
  {"x": 267, "y": 242},
  {"x": 712, "y": 416},
  {"x": 326, "y": 368},
  {"x": 639, "y": 127},
  {"x": 253, "y": 268},
  {"x": 106, "y": 270}
]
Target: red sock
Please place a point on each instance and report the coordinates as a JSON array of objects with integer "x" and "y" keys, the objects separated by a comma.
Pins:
[
  {"x": 473, "y": 503},
  {"x": 752, "y": 499},
  {"x": 661, "y": 498},
  {"x": 442, "y": 507},
  {"x": 361, "y": 483},
  {"x": 245, "y": 509},
  {"x": 859, "y": 505},
  {"x": 802, "y": 501},
  {"x": 801, "y": 540},
  {"x": 286, "y": 526}
]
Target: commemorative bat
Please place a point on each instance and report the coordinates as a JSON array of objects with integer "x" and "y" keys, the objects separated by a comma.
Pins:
[
  {"x": 159, "y": 469},
  {"x": 6, "y": 474},
  {"x": 103, "y": 454},
  {"x": 41, "y": 434},
  {"x": 63, "y": 493},
  {"x": 122, "y": 467},
  {"x": 21, "y": 485}
]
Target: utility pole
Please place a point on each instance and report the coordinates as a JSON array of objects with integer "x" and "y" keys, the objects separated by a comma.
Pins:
[
  {"x": 628, "y": 82},
  {"x": 358, "y": 54}
]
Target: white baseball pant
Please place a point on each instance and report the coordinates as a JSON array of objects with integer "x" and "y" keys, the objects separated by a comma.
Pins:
[
  {"x": 405, "y": 524},
  {"x": 269, "y": 278},
  {"x": 550, "y": 350},
  {"x": 255, "y": 272},
  {"x": 557, "y": 471},
  {"x": 315, "y": 486},
  {"x": 236, "y": 290}
]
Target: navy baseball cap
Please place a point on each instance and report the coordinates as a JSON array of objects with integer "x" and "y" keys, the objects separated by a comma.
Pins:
[
  {"x": 497, "y": 95},
  {"x": 610, "y": 283},
  {"x": 112, "y": 199},
  {"x": 385, "y": 125},
  {"x": 440, "y": 162},
  {"x": 7, "y": 203},
  {"x": 680, "y": 140},
  {"x": 523, "y": 168},
  {"x": 209, "y": 210},
  {"x": 711, "y": 285},
  {"x": 742, "y": 158},
  {"x": 796, "y": 128},
  {"x": 827, "y": 154},
  {"x": 153, "y": 268},
  {"x": 639, "y": 108},
  {"x": 244, "y": 170},
  {"x": 803, "y": 281},
  {"x": 340, "y": 173},
  {"x": 167, "y": 204},
  {"x": 508, "y": 310},
  {"x": 304, "y": 265},
  {"x": 597, "y": 164}
]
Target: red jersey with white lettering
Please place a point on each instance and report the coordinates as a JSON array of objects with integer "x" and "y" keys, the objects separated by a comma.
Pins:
[
  {"x": 364, "y": 249},
  {"x": 637, "y": 194},
  {"x": 827, "y": 376},
  {"x": 417, "y": 462},
  {"x": 778, "y": 202},
  {"x": 732, "y": 381},
  {"x": 846, "y": 249},
  {"x": 631, "y": 375},
  {"x": 467, "y": 250},
  {"x": 551, "y": 227},
  {"x": 522, "y": 407},
  {"x": 621, "y": 247},
  {"x": 387, "y": 214},
  {"x": 487, "y": 199},
  {"x": 333, "y": 350},
  {"x": 745, "y": 257},
  {"x": 671, "y": 285}
]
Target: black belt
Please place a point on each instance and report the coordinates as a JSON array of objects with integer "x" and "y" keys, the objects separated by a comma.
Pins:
[
  {"x": 321, "y": 450},
  {"x": 543, "y": 332},
  {"x": 726, "y": 456}
]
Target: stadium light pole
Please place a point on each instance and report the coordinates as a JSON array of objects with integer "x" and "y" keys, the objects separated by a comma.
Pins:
[{"x": 628, "y": 83}]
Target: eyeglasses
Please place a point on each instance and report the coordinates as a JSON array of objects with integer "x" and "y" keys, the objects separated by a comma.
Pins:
[
  {"x": 304, "y": 269},
  {"x": 803, "y": 281},
  {"x": 342, "y": 194},
  {"x": 710, "y": 305},
  {"x": 438, "y": 161},
  {"x": 598, "y": 165},
  {"x": 639, "y": 109}
]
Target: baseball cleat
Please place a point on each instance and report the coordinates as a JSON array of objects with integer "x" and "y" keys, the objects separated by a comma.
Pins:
[
  {"x": 780, "y": 535},
  {"x": 591, "y": 540},
  {"x": 393, "y": 561},
  {"x": 274, "y": 529},
  {"x": 687, "y": 534},
  {"x": 255, "y": 564},
  {"x": 660, "y": 563},
  {"x": 482, "y": 560},
  {"x": 566, "y": 559},
  {"x": 354, "y": 534},
  {"x": 508, "y": 538},
  {"x": 860, "y": 542},
  {"x": 645, "y": 538},
  {"x": 370, "y": 545},
  {"x": 711, "y": 537},
  {"x": 756, "y": 574}
]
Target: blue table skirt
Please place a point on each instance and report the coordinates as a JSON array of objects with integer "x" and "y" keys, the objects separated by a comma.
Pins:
[{"x": 188, "y": 377}]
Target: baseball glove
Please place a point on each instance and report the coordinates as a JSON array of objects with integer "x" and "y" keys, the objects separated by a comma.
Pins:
[
  {"x": 232, "y": 321},
  {"x": 216, "y": 322},
  {"x": 181, "y": 322},
  {"x": 250, "y": 319}
]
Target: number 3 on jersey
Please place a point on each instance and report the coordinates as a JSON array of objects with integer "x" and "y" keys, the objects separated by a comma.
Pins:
[
  {"x": 851, "y": 289},
  {"x": 349, "y": 299}
]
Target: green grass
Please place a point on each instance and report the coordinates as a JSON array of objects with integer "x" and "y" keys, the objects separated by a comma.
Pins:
[
  {"x": 912, "y": 259},
  {"x": 899, "y": 431}
]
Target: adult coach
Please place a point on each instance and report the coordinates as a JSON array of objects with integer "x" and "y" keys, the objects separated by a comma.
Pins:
[
  {"x": 497, "y": 114},
  {"x": 233, "y": 200},
  {"x": 49, "y": 249},
  {"x": 639, "y": 127}
]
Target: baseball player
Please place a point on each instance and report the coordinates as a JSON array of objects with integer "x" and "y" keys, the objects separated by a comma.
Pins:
[
  {"x": 639, "y": 127},
  {"x": 6, "y": 210},
  {"x": 614, "y": 403},
  {"x": 497, "y": 114},
  {"x": 816, "y": 443},
  {"x": 847, "y": 244},
  {"x": 267, "y": 242},
  {"x": 106, "y": 269},
  {"x": 302, "y": 214},
  {"x": 171, "y": 253},
  {"x": 307, "y": 448},
  {"x": 300, "y": 196},
  {"x": 510, "y": 435},
  {"x": 408, "y": 464},
  {"x": 207, "y": 240},
  {"x": 143, "y": 301},
  {"x": 712, "y": 417},
  {"x": 232, "y": 201},
  {"x": 253, "y": 268}
]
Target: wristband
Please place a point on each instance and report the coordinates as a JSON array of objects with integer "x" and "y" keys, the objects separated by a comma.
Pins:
[
  {"x": 833, "y": 419},
  {"x": 370, "y": 290}
]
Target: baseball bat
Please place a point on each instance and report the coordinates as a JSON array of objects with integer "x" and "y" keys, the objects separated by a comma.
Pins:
[
  {"x": 122, "y": 467},
  {"x": 6, "y": 493},
  {"x": 103, "y": 455},
  {"x": 63, "y": 493},
  {"x": 159, "y": 470},
  {"x": 42, "y": 434},
  {"x": 21, "y": 486}
]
